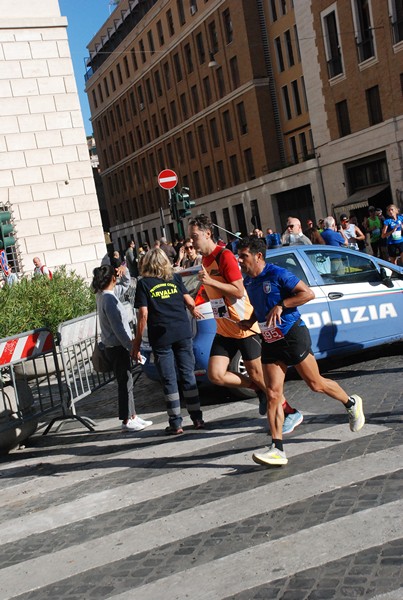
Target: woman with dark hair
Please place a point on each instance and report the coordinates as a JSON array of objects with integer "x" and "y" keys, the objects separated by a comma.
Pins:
[
  {"x": 162, "y": 298},
  {"x": 117, "y": 338}
]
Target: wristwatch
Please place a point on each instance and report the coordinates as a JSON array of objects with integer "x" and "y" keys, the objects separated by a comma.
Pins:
[{"x": 281, "y": 303}]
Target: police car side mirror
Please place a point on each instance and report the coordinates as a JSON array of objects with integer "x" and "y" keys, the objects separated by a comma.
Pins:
[{"x": 386, "y": 279}]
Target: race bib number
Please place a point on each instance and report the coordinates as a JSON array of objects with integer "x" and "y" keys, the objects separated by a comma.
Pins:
[
  {"x": 270, "y": 334},
  {"x": 396, "y": 235},
  {"x": 220, "y": 310}
]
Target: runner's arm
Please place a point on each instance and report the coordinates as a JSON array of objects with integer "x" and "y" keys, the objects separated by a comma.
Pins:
[{"x": 234, "y": 289}]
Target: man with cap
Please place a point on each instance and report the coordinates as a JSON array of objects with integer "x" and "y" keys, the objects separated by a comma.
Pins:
[{"x": 351, "y": 233}]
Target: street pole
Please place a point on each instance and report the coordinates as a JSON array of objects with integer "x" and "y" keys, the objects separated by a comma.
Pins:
[{"x": 162, "y": 218}]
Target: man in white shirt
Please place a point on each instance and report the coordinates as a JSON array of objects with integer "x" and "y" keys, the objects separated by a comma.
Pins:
[
  {"x": 41, "y": 269},
  {"x": 293, "y": 235}
]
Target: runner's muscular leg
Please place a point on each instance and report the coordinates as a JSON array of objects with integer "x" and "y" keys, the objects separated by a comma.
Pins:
[
  {"x": 309, "y": 371},
  {"x": 255, "y": 372},
  {"x": 218, "y": 374},
  {"x": 274, "y": 375}
]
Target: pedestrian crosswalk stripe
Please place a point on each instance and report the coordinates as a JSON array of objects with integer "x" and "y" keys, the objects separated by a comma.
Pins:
[
  {"x": 45, "y": 570},
  {"x": 283, "y": 557}
]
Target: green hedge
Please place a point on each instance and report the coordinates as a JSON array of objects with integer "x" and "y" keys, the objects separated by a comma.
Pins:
[{"x": 43, "y": 302}]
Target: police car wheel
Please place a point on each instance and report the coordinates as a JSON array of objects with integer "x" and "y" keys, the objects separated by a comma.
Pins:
[{"x": 238, "y": 366}]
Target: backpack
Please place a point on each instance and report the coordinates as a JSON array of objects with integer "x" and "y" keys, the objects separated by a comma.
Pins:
[{"x": 50, "y": 274}]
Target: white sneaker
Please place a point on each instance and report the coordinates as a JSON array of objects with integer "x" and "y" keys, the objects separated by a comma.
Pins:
[
  {"x": 356, "y": 415},
  {"x": 272, "y": 457},
  {"x": 133, "y": 425},
  {"x": 143, "y": 421}
]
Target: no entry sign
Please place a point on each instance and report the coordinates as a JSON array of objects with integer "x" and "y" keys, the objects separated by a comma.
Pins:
[{"x": 167, "y": 179}]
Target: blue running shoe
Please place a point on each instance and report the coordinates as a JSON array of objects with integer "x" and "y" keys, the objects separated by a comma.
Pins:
[
  {"x": 292, "y": 421},
  {"x": 262, "y": 402}
]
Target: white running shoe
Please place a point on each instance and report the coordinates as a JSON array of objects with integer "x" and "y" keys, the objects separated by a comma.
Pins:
[
  {"x": 272, "y": 457},
  {"x": 143, "y": 421},
  {"x": 356, "y": 414},
  {"x": 133, "y": 425}
]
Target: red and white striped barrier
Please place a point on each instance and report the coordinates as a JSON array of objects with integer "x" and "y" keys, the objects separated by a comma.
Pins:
[{"x": 26, "y": 345}]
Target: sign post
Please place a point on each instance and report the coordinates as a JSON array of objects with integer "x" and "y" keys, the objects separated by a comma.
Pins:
[{"x": 167, "y": 180}]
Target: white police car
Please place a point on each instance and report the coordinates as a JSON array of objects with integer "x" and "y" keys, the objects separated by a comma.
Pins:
[{"x": 358, "y": 303}]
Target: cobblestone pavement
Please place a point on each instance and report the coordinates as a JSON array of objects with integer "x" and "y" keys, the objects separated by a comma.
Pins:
[{"x": 107, "y": 515}]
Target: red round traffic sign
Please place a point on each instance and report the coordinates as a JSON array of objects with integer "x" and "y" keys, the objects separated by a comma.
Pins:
[{"x": 167, "y": 179}]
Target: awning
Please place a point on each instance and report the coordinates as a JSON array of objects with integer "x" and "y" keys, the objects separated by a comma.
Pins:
[{"x": 360, "y": 198}]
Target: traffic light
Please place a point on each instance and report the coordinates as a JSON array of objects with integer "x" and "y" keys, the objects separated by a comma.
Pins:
[
  {"x": 186, "y": 204},
  {"x": 6, "y": 230},
  {"x": 173, "y": 205}
]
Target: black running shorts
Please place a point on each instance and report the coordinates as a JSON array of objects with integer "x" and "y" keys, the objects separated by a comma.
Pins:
[
  {"x": 249, "y": 347},
  {"x": 292, "y": 349}
]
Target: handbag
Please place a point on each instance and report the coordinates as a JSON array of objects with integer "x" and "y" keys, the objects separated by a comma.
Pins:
[{"x": 100, "y": 361}]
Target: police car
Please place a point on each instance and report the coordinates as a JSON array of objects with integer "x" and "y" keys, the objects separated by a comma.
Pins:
[{"x": 358, "y": 303}]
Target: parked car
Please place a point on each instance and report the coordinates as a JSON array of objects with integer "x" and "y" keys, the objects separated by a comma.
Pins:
[{"x": 358, "y": 303}]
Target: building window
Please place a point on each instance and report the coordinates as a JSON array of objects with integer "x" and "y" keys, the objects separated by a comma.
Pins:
[
  {"x": 202, "y": 139},
  {"x": 126, "y": 65},
  {"x": 293, "y": 150},
  {"x": 227, "y": 219},
  {"x": 179, "y": 149},
  {"x": 139, "y": 137},
  {"x": 147, "y": 131},
  {"x": 112, "y": 78},
  {"x": 140, "y": 97},
  {"x": 207, "y": 90},
  {"x": 303, "y": 145},
  {"x": 228, "y": 31},
  {"x": 279, "y": 54},
  {"x": 126, "y": 109},
  {"x": 243, "y": 124},
  {"x": 151, "y": 41},
  {"x": 214, "y": 133},
  {"x": 155, "y": 126},
  {"x": 119, "y": 72},
  {"x": 178, "y": 67},
  {"x": 213, "y": 37},
  {"x": 164, "y": 118},
  {"x": 233, "y": 161},
  {"x": 142, "y": 51},
  {"x": 233, "y": 65},
  {"x": 332, "y": 44},
  {"x": 160, "y": 33},
  {"x": 167, "y": 75},
  {"x": 250, "y": 167},
  {"x": 296, "y": 38},
  {"x": 134, "y": 59},
  {"x": 220, "y": 82},
  {"x": 397, "y": 20},
  {"x": 197, "y": 184},
  {"x": 221, "y": 174},
  {"x": 286, "y": 102},
  {"x": 195, "y": 98},
  {"x": 170, "y": 23},
  {"x": 229, "y": 136},
  {"x": 133, "y": 104},
  {"x": 200, "y": 48},
  {"x": 149, "y": 91},
  {"x": 290, "y": 51},
  {"x": 190, "y": 143},
  {"x": 94, "y": 99},
  {"x": 119, "y": 115},
  {"x": 193, "y": 6},
  {"x": 174, "y": 112},
  {"x": 295, "y": 93},
  {"x": 209, "y": 179},
  {"x": 100, "y": 94},
  {"x": 184, "y": 106},
  {"x": 254, "y": 209},
  {"x": 158, "y": 86},
  {"x": 363, "y": 26},
  {"x": 374, "y": 105},
  {"x": 343, "y": 119},
  {"x": 283, "y": 6},
  {"x": 106, "y": 87},
  {"x": 188, "y": 58},
  {"x": 112, "y": 120},
  {"x": 181, "y": 12},
  {"x": 273, "y": 10}
]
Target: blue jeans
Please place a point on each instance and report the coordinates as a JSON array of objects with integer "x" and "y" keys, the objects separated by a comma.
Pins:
[{"x": 176, "y": 362}]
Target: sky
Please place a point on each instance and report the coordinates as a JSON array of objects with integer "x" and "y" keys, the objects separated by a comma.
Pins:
[{"x": 85, "y": 17}]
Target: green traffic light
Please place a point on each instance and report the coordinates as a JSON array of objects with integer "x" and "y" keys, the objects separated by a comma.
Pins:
[{"x": 6, "y": 229}]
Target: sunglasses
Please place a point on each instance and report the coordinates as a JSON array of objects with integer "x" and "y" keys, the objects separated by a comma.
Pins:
[
  {"x": 290, "y": 226},
  {"x": 188, "y": 247}
]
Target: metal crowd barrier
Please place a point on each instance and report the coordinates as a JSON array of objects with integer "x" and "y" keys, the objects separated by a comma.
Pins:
[
  {"x": 76, "y": 344},
  {"x": 30, "y": 384}
]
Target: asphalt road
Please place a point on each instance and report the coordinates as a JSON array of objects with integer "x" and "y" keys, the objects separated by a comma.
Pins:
[{"x": 107, "y": 515}]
